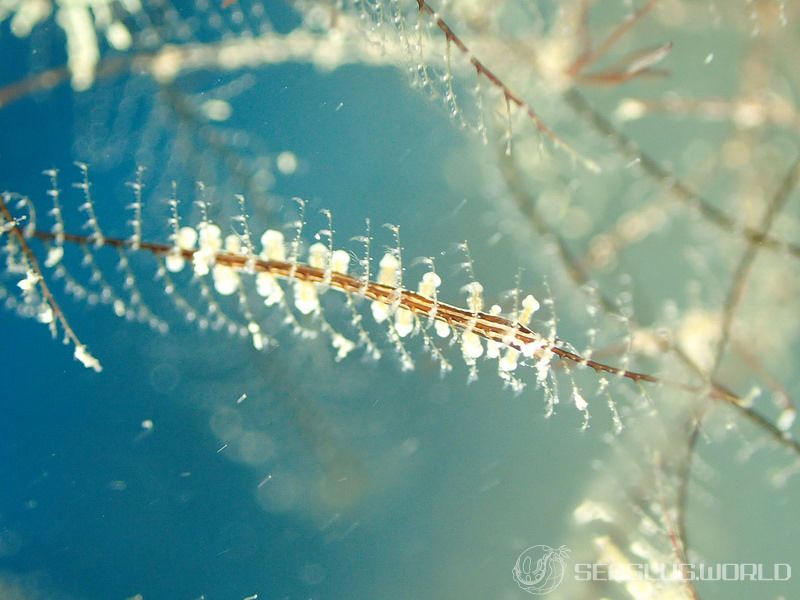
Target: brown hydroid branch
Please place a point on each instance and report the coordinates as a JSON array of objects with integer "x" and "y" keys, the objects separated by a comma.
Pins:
[
  {"x": 36, "y": 271},
  {"x": 509, "y": 95},
  {"x": 489, "y": 326}
]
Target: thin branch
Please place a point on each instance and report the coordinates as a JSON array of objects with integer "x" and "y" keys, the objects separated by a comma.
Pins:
[
  {"x": 489, "y": 326},
  {"x": 508, "y": 94},
  {"x": 742, "y": 271},
  {"x": 631, "y": 151},
  {"x": 744, "y": 111},
  {"x": 33, "y": 264},
  {"x": 676, "y": 532},
  {"x": 580, "y": 277},
  {"x": 592, "y": 56}
]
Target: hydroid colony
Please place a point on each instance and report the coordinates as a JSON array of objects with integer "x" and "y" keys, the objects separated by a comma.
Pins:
[
  {"x": 587, "y": 193},
  {"x": 477, "y": 331}
]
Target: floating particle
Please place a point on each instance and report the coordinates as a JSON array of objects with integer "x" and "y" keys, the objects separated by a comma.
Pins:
[
  {"x": 217, "y": 110},
  {"x": 286, "y": 162}
]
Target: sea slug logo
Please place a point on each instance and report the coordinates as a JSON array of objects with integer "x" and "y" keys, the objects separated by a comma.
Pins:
[{"x": 540, "y": 569}]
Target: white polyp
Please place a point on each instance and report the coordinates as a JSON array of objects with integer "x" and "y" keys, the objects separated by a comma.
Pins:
[
  {"x": 579, "y": 400},
  {"x": 529, "y": 306},
  {"x": 54, "y": 256},
  {"x": 118, "y": 36},
  {"x": 530, "y": 350},
  {"x": 786, "y": 419},
  {"x": 493, "y": 347},
  {"x": 29, "y": 14},
  {"x": 28, "y": 284},
  {"x": 258, "y": 340},
  {"x": 175, "y": 263},
  {"x": 475, "y": 296},
  {"x": 380, "y": 311},
  {"x": 340, "y": 261},
  {"x": 210, "y": 242},
  {"x": 388, "y": 270},
  {"x": 226, "y": 280},
  {"x": 233, "y": 244},
  {"x": 342, "y": 345},
  {"x": 318, "y": 254},
  {"x": 268, "y": 288},
  {"x": 45, "y": 314},
  {"x": 272, "y": 244},
  {"x": 256, "y": 336},
  {"x": 442, "y": 329},
  {"x": 306, "y": 299},
  {"x": 752, "y": 395},
  {"x": 201, "y": 262},
  {"x": 210, "y": 237},
  {"x": 186, "y": 238},
  {"x": 429, "y": 284},
  {"x": 83, "y": 356},
  {"x": 471, "y": 346},
  {"x": 543, "y": 365},
  {"x": 83, "y": 51},
  {"x": 102, "y": 16},
  {"x": 509, "y": 361},
  {"x": 404, "y": 322},
  {"x": 388, "y": 275}
]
